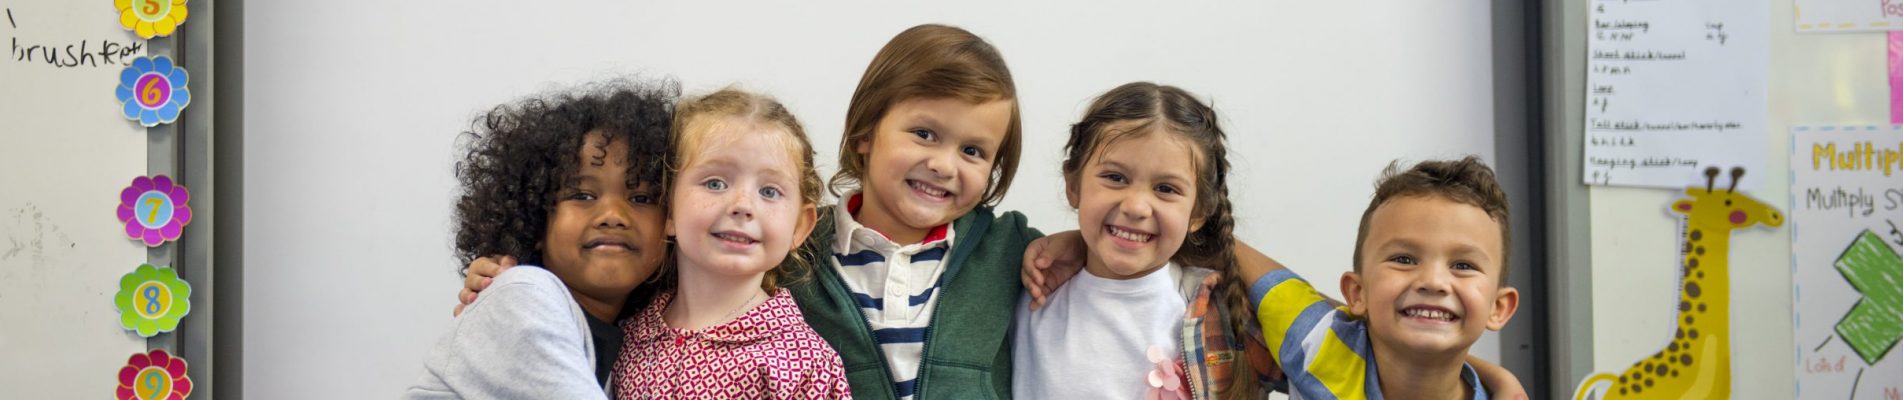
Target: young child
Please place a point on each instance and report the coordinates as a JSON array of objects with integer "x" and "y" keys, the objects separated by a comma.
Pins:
[
  {"x": 1147, "y": 171},
  {"x": 744, "y": 194},
  {"x": 918, "y": 274},
  {"x": 1429, "y": 270},
  {"x": 919, "y": 281},
  {"x": 570, "y": 182}
]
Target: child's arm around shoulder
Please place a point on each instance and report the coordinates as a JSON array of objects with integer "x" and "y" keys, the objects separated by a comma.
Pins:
[{"x": 524, "y": 339}]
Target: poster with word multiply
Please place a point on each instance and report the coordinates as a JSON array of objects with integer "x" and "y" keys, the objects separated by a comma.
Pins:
[
  {"x": 1847, "y": 207},
  {"x": 1673, "y": 87}
]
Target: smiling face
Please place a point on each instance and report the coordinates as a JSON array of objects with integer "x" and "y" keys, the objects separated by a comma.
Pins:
[
  {"x": 1134, "y": 203},
  {"x": 604, "y": 235},
  {"x": 928, "y": 162},
  {"x": 1429, "y": 281},
  {"x": 737, "y": 202}
]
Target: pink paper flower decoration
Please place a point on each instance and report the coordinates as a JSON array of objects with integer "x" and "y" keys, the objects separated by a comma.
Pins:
[
  {"x": 1166, "y": 381},
  {"x": 154, "y": 376},
  {"x": 154, "y": 210}
]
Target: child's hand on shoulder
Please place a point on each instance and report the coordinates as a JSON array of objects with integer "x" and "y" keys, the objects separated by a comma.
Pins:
[
  {"x": 478, "y": 275},
  {"x": 1049, "y": 262}
]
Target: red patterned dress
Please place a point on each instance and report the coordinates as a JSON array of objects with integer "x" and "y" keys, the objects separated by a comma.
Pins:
[{"x": 769, "y": 352}]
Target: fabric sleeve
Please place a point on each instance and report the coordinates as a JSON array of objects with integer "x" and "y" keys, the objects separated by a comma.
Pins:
[
  {"x": 1287, "y": 308},
  {"x": 521, "y": 339}
]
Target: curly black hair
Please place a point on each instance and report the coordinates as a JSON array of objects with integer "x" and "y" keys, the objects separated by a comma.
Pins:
[{"x": 520, "y": 154}]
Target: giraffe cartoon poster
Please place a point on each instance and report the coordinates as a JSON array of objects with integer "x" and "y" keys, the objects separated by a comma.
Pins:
[
  {"x": 1847, "y": 270},
  {"x": 1695, "y": 361}
]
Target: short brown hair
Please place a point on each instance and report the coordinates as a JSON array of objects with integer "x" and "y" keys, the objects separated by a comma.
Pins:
[
  {"x": 930, "y": 61},
  {"x": 696, "y": 117},
  {"x": 1466, "y": 181}
]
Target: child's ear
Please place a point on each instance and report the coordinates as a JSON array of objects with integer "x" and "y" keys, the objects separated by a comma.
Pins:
[
  {"x": 809, "y": 217},
  {"x": 863, "y": 145},
  {"x": 1504, "y": 304},
  {"x": 1070, "y": 190},
  {"x": 1351, "y": 293}
]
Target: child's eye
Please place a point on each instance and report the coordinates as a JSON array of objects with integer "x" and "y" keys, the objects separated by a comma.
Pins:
[
  {"x": 926, "y": 134},
  {"x": 582, "y": 196},
  {"x": 1466, "y": 266},
  {"x": 770, "y": 192},
  {"x": 644, "y": 198},
  {"x": 974, "y": 151},
  {"x": 1167, "y": 189},
  {"x": 714, "y": 184},
  {"x": 1402, "y": 259},
  {"x": 1113, "y": 177}
]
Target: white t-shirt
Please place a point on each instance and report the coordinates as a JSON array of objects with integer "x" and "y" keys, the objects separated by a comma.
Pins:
[{"x": 1092, "y": 340}]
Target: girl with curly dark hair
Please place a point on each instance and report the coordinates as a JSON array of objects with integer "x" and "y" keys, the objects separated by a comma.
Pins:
[{"x": 570, "y": 182}]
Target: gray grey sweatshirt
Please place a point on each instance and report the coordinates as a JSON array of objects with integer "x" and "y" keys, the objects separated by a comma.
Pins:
[{"x": 524, "y": 338}]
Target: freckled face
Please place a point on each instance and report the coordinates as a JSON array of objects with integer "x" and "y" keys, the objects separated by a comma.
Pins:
[{"x": 737, "y": 208}]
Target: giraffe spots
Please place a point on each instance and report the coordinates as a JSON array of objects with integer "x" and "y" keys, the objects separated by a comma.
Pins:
[
  {"x": 1636, "y": 389},
  {"x": 1700, "y": 250},
  {"x": 1680, "y": 334},
  {"x": 1662, "y": 370},
  {"x": 1684, "y": 306},
  {"x": 1648, "y": 382},
  {"x": 1691, "y": 289},
  {"x": 1685, "y": 359},
  {"x": 1701, "y": 274},
  {"x": 1693, "y": 333},
  {"x": 1693, "y": 262},
  {"x": 1672, "y": 347},
  {"x": 1697, "y": 234},
  {"x": 1622, "y": 391},
  {"x": 1688, "y": 320},
  {"x": 1701, "y": 307},
  {"x": 1648, "y": 368}
]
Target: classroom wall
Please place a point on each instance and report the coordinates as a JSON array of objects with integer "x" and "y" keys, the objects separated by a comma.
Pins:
[
  {"x": 353, "y": 107},
  {"x": 1814, "y": 79},
  {"x": 65, "y": 153}
]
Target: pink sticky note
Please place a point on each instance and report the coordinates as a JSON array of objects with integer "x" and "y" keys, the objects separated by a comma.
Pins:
[{"x": 1896, "y": 77}]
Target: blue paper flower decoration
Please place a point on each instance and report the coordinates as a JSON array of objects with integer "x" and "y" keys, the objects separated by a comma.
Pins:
[{"x": 153, "y": 90}]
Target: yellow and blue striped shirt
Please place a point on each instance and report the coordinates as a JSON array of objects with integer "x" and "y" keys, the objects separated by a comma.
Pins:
[{"x": 1322, "y": 349}]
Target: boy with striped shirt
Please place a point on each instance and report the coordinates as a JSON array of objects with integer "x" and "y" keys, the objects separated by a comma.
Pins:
[{"x": 1430, "y": 262}]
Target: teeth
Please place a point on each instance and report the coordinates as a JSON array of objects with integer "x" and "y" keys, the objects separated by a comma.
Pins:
[
  {"x": 929, "y": 190},
  {"x": 1128, "y": 235},
  {"x": 732, "y": 238},
  {"x": 1430, "y": 314}
]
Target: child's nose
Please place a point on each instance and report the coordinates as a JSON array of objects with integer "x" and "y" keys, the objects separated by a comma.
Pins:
[
  {"x": 741, "y": 205},
  {"x": 1135, "y": 208},
  {"x": 942, "y": 164},
  {"x": 615, "y": 216},
  {"x": 1433, "y": 281}
]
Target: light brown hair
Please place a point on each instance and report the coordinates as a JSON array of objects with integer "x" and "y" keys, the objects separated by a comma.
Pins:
[
  {"x": 1466, "y": 181},
  {"x": 695, "y": 118},
  {"x": 926, "y": 62}
]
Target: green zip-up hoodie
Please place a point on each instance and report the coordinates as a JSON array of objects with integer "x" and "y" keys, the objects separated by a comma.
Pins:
[{"x": 967, "y": 344}]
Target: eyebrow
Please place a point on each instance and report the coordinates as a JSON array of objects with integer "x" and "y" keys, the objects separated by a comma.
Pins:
[
  {"x": 1163, "y": 176},
  {"x": 723, "y": 163}
]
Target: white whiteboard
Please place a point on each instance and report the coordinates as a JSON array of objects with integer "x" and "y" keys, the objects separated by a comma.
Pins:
[
  {"x": 65, "y": 152},
  {"x": 365, "y": 98},
  {"x": 1815, "y": 79}
]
